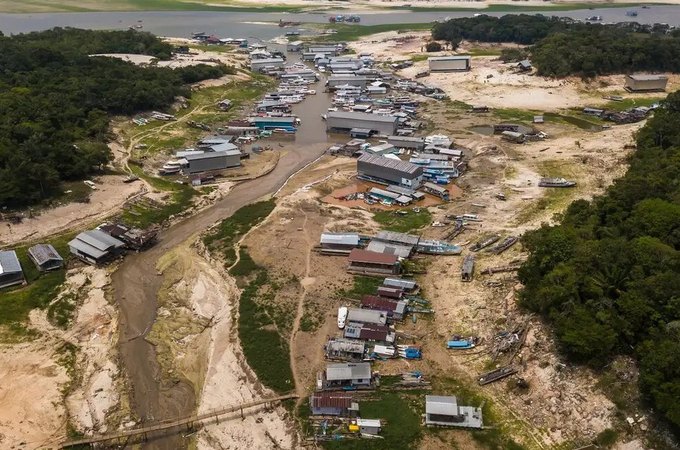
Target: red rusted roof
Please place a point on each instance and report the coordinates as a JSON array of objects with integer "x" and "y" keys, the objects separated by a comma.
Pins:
[
  {"x": 364, "y": 256},
  {"x": 331, "y": 400},
  {"x": 379, "y": 303}
]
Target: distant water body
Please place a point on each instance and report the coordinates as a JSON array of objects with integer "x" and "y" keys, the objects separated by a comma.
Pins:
[{"x": 253, "y": 24}]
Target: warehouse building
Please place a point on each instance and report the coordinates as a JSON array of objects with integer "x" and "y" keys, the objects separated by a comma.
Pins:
[
  {"x": 646, "y": 83},
  {"x": 345, "y": 121},
  {"x": 45, "y": 257},
  {"x": 449, "y": 63},
  {"x": 270, "y": 123},
  {"x": 208, "y": 161},
  {"x": 371, "y": 263},
  {"x": 400, "y": 251},
  {"x": 10, "y": 269},
  {"x": 336, "y": 81},
  {"x": 389, "y": 171},
  {"x": 339, "y": 243},
  {"x": 295, "y": 46},
  {"x": 95, "y": 247},
  {"x": 258, "y": 65},
  {"x": 415, "y": 143}
]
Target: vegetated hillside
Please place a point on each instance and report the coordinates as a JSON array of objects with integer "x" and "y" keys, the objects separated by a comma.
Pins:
[
  {"x": 608, "y": 276},
  {"x": 55, "y": 101},
  {"x": 563, "y": 47}
]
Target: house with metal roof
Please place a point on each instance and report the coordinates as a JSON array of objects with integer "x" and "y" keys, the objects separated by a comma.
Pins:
[
  {"x": 367, "y": 262},
  {"x": 345, "y": 121},
  {"x": 369, "y": 426},
  {"x": 389, "y": 171},
  {"x": 95, "y": 246},
  {"x": 397, "y": 238},
  {"x": 406, "y": 285},
  {"x": 401, "y": 251},
  {"x": 339, "y": 241},
  {"x": 396, "y": 309},
  {"x": 646, "y": 83},
  {"x": 369, "y": 332},
  {"x": 333, "y": 404},
  {"x": 209, "y": 161},
  {"x": 340, "y": 375},
  {"x": 445, "y": 411},
  {"x": 357, "y": 315},
  {"x": 340, "y": 349},
  {"x": 45, "y": 257},
  {"x": 10, "y": 269},
  {"x": 257, "y": 65}
]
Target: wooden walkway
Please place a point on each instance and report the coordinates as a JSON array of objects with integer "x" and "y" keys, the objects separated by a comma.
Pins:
[{"x": 190, "y": 421}]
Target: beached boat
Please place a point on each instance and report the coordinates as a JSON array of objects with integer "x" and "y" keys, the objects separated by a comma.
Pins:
[
  {"x": 477, "y": 246},
  {"x": 432, "y": 247},
  {"x": 556, "y": 182},
  {"x": 342, "y": 316},
  {"x": 504, "y": 245},
  {"x": 461, "y": 343}
]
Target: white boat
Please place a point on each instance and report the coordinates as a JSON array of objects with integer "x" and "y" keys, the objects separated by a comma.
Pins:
[{"x": 342, "y": 316}]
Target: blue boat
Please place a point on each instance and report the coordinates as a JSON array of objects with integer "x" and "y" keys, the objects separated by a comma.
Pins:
[{"x": 461, "y": 343}]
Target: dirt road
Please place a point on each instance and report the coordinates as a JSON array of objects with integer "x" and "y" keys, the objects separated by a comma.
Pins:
[{"x": 136, "y": 282}]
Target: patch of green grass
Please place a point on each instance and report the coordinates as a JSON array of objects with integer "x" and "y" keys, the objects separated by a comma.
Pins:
[
  {"x": 264, "y": 348},
  {"x": 346, "y": 32},
  {"x": 222, "y": 238},
  {"x": 144, "y": 216},
  {"x": 401, "y": 430},
  {"x": 515, "y": 114},
  {"x": 404, "y": 223},
  {"x": 60, "y": 312},
  {"x": 362, "y": 285},
  {"x": 519, "y": 9},
  {"x": 42, "y": 288},
  {"x": 484, "y": 51},
  {"x": 245, "y": 265},
  {"x": 631, "y": 102},
  {"x": 419, "y": 57},
  {"x": 591, "y": 124}
]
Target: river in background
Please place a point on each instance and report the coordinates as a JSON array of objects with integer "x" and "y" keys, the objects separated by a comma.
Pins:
[{"x": 263, "y": 25}]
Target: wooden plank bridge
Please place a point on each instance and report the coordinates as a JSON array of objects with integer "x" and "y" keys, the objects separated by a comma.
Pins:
[{"x": 190, "y": 422}]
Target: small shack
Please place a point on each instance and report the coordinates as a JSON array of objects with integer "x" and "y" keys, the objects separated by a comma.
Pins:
[
  {"x": 333, "y": 404},
  {"x": 404, "y": 285},
  {"x": 444, "y": 411},
  {"x": 371, "y": 263},
  {"x": 436, "y": 190},
  {"x": 345, "y": 349},
  {"x": 646, "y": 83},
  {"x": 375, "y": 317},
  {"x": 10, "y": 269},
  {"x": 395, "y": 309},
  {"x": 369, "y": 426},
  {"x": 295, "y": 46},
  {"x": 45, "y": 257},
  {"x": 524, "y": 65},
  {"x": 369, "y": 332}
]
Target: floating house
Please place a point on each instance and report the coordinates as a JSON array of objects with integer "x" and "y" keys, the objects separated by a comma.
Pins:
[
  {"x": 10, "y": 269},
  {"x": 377, "y": 123},
  {"x": 369, "y": 332},
  {"x": 347, "y": 375},
  {"x": 389, "y": 171},
  {"x": 95, "y": 247},
  {"x": 356, "y": 315},
  {"x": 258, "y": 65},
  {"x": 345, "y": 349},
  {"x": 372, "y": 263},
  {"x": 45, "y": 257},
  {"x": 444, "y": 411},
  {"x": 333, "y": 404},
  {"x": 339, "y": 242},
  {"x": 396, "y": 309},
  {"x": 646, "y": 83},
  {"x": 207, "y": 161}
]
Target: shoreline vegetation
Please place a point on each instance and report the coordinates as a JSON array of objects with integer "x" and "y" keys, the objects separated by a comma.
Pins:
[{"x": 69, "y": 6}]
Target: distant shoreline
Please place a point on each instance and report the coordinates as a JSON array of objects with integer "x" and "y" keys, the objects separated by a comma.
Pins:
[{"x": 300, "y": 6}]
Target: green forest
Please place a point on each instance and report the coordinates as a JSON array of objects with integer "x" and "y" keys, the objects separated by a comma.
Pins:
[
  {"x": 608, "y": 276},
  {"x": 561, "y": 47},
  {"x": 55, "y": 103}
]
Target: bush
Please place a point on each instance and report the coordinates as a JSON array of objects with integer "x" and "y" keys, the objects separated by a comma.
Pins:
[{"x": 433, "y": 46}]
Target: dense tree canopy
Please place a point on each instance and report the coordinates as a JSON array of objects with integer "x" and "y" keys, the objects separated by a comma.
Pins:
[
  {"x": 55, "y": 101},
  {"x": 562, "y": 47},
  {"x": 608, "y": 276}
]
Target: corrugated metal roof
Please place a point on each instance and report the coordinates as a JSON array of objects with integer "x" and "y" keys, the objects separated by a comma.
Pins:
[
  {"x": 643, "y": 77},
  {"x": 99, "y": 240},
  {"x": 449, "y": 58},
  {"x": 345, "y": 345},
  {"x": 401, "y": 251},
  {"x": 43, "y": 253},
  {"x": 340, "y": 238},
  {"x": 399, "y": 283},
  {"x": 331, "y": 400},
  {"x": 85, "y": 248},
  {"x": 440, "y": 404},
  {"x": 379, "y": 303},
  {"x": 361, "y": 116},
  {"x": 364, "y": 256},
  {"x": 394, "y": 236},
  {"x": 381, "y": 161},
  {"x": 207, "y": 155},
  {"x": 9, "y": 263},
  {"x": 348, "y": 371},
  {"x": 224, "y": 147},
  {"x": 367, "y": 316}
]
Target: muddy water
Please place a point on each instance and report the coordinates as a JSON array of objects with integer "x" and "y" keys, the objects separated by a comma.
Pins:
[{"x": 136, "y": 282}]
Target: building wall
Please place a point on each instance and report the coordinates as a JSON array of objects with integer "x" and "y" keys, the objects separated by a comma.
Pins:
[
  {"x": 645, "y": 85},
  {"x": 257, "y": 65},
  {"x": 406, "y": 143},
  {"x": 359, "y": 81},
  {"x": 450, "y": 65},
  {"x": 10, "y": 279},
  {"x": 204, "y": 165},
  {"x": 389, "y": 174},
  {"x": 348, "y": 124}
]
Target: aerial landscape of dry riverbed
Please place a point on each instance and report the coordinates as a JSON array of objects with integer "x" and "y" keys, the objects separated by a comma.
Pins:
[{"x": 156, "y": 335}]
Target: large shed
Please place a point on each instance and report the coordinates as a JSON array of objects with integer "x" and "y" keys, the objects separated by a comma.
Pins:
[
  {"x": 449, "y": 63},
  {"x": 95, "y": 246},
  {"x": 371, "y": 263},
  {"x": 345, "y": 121},
  {"x": 348, "y": 375},
  {"x": 10, "y": 269},
  {"x": 646, "y": 83},
  {"x": 204, "y": 162},
  {"x": 333, "y": 404},
  {"x": 45, "y": 257},
  {"x": 375, "y": 317},
  {"x": 339, "y": 241},
  {"x": 257, "y": 65},
  {"x": 389, "y": 171}
]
